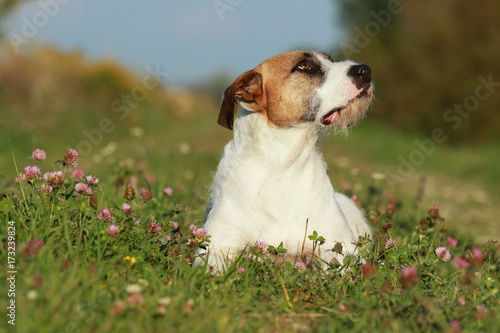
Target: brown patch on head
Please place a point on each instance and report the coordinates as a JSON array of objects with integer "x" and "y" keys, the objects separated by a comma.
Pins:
[{"x": 280, "y": 89}]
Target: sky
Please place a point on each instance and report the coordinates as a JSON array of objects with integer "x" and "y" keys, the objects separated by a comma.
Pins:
[{"x": 191, "y": 40}]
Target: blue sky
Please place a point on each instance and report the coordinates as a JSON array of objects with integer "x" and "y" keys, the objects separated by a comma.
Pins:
[{"x": 191, "y": 40}]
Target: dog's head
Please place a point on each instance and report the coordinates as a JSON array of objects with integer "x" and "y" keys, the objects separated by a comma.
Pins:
[{"x": 301, "y": 87}]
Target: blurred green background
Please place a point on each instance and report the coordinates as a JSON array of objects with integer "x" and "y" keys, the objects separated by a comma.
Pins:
[{"x": 431, "y": 136}]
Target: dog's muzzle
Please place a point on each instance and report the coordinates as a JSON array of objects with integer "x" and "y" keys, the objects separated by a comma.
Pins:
[{"x": 361, "y": 77}]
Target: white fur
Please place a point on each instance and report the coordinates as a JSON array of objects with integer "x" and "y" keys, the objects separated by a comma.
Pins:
[
  {"x": 336, "y": 81},
  {"x": 271, "y": 180}
]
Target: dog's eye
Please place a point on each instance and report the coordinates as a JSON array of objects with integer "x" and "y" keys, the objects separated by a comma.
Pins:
[{"x": 304, "y": 65}]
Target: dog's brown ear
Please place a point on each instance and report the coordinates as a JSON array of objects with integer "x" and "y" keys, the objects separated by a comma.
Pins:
[{"x": 246, "y": 88}]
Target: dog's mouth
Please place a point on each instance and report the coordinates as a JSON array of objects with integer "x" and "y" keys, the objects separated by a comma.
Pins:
[{"x": 330, "y": 117}]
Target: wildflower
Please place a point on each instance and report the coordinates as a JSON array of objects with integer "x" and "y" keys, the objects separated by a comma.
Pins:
[
  {"x": 389, "y": 243},
  {"x": 337, "y": 247},
  {"x": 118, "y": 307},
  {"x": 408, "y": 276},
  {"x": 451, "y": 242},
  {"x": 300, "y": 266},
  {"x": 131, "y": 260},
  {"x": 434, "y": 214},
  {"x": 369, "y": 270},
  {"x": 184, "y": 148},
  {"x": 461, "y": 301},
  {"x": 146, "y": 194},
  {"x": 154, "y": 227},
  {"x": 32, "y": 294},
  {"x": 38, "y": 155},
  {"x": 460, "y": 263},
  {"x": 32, "y": 248},
  {"x": 71, "y": 158},
  {"x": 424, "y": 223},
  {"x": 77, "y": 173},
  {"x": 454, "y": 327},
  {"x": 378, "y": 176},
  {"x": 241, "y": 270},
  {"x": 477, "y": 259},
  {"x": 129, "y": 193},
  {"x": 113, "y": 230},
  {"x": 54, "y": 178},
  {"x": 91, "y": 180},
  {"x": 47, "y": 189},
  {"x": 174, "y": 225},
  {"x": 261, "y": 246},
  {"x": 143, "y": 282},
  {"x": 443, "y": 253},
  {"x": 386, "y": 227},
  {"x": 83, "y": 188},
  {"x": 37, "y": 280},
  {"x": 343, "y": 308},
  {"x": 346, "y": 186},
  {"x": 32, "y": 172},
  {"x": 161, "y": 310},
  {"x": 389, "y": 209},
  {"x": 168, "y": 191},
  {"x": 134, "y": 296},
  {"x": 105, "y": 215},
  {"x": 127, "y": 209},
  {"x": 200, "y": 233},
  {"x": 22, "y": 177},
  {"x": 354, "y": 198},
  {"x": 165, "y": 301},
  {"x": 136, "y": 131},
  {"x": 189, "y": 306},
  {"x": 192, "y": 242},
  {"x": 162, "y": 305},
  {"x": 481, "y": 312}
]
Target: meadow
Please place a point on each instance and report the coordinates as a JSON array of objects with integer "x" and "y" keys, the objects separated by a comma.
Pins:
[{"x": 103, "y": 242}]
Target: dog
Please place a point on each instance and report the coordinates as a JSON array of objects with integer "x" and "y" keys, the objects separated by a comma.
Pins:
[{"x": 271, "y": 184}]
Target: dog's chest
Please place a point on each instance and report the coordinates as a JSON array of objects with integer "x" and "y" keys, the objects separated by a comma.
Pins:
[{"x": 259, "y": 185}]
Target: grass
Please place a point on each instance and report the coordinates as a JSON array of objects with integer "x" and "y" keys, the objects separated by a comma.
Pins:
[
  {"x": 464, "y": 182},
  {"x": 76, "y": 274},
  {"x": 388, "y": 147}
]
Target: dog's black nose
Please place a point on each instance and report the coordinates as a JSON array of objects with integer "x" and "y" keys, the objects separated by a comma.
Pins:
[{"x": 361, "y": 75}]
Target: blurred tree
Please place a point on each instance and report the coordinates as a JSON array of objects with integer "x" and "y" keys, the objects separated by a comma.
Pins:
[
  {"x": 435, "y": 63},
  {"x": 6, "y": 6}
]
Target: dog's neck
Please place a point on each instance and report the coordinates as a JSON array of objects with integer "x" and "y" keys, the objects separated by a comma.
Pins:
[{"x": 283, "y": 147}]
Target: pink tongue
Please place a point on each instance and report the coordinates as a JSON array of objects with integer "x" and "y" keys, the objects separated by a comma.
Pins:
[{"x": 331, "y": 118}]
